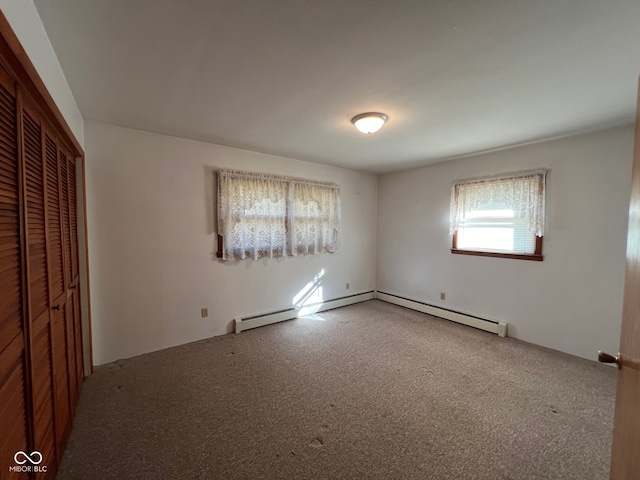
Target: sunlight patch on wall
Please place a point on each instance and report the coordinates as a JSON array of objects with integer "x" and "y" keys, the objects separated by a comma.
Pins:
[{"x": 309, "y": 300}]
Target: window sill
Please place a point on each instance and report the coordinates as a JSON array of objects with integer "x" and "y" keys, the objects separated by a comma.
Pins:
[{"x": 516, "y": 256}]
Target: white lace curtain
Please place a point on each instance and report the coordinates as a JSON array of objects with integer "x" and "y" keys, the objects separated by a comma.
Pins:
[
  {"x": 272, "y": 216},
  {"x": 522, "y": 192},
  {"x": 315, "y": 218}
]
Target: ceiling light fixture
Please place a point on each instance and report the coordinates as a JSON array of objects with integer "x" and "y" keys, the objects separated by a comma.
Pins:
[{"x": 369, "y": 122}]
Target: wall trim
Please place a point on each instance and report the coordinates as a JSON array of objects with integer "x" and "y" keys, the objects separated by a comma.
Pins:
[
  {"x": 481, "y": 323},
  {"x": 256, "y": 321}
]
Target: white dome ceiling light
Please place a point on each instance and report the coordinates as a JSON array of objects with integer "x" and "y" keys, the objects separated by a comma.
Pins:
[{"x": 369, "y": 122}]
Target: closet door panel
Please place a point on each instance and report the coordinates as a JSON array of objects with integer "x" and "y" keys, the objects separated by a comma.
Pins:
[
  {"x": 71, "y": 355},
  {"x": 64, "y": 183},
  {"x": 13, "y": 375},
  {"x": 54, "y": 220},
  {"x": 74, "y": 305},
  {"x": 73, "y": 219},
  {"x": 14, "y": 436},
  {"x": 35, "y": 206},
  {"x": 43, "y": 407},
  {"x": 61, "y": 375},
  {"x": 74, "y": 298},
  {"x": 11, "y": 315},
  {"x": 67, "y": 172},
  {"x": 34, "y": 168}
]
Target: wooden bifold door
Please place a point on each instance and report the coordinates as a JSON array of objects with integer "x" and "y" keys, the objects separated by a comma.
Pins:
[{"x": 41, "y": 367}]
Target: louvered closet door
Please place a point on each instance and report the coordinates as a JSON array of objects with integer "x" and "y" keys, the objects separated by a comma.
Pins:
[
  {"x": 40, "y": 330},
  {"x": 63, "y": 160},
  {"x": 58, "y": 295},
  {"x": 13, "y": 380},
  {"x": 74, "y": 299},
  {"x": 34, "y": 168}
]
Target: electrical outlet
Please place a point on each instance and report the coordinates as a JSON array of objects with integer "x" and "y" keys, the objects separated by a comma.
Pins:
[
  {"x": 204, "y": 312},
  {"x": 347, "y": 286},
  {"x": 443, "y": 296}
]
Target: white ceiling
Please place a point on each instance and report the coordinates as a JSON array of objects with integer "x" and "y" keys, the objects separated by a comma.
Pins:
[{"x": 285, "y": 76}]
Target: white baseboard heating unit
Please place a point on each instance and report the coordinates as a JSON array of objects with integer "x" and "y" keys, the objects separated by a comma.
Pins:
[
  {"x": 493, "y": 326},
  {"x": 255, "y": 321}
]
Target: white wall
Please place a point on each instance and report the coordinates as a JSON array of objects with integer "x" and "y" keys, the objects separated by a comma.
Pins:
[
  {"x": 153, "y": 266},
  {"x": 152, "y": 242},
  {"x": 26, "y": 24},
  {"x": 572, "y": 301},
  {"x": 152, "y": 234}
]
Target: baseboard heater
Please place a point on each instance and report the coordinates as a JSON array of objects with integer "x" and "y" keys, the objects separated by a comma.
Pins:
[
  {"x": 499, "y": 328},
  {"x": 255, "y": 321}
]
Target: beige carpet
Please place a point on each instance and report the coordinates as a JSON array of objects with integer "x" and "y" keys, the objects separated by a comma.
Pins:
[{"x": 369, "y": 391}]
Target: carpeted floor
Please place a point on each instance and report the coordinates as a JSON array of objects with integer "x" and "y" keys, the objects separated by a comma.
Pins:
[{"x": 369, "y": 391}]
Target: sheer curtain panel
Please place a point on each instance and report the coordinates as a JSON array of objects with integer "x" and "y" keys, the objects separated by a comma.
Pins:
[
  {"x": 523, "y": 193},
  {"x": 252, "y": 213},
  {"x": 315, "y": 218},
  {"x": 262, "y": 215}
]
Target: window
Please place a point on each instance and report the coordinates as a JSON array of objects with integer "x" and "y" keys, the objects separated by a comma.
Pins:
[
  {"x": 272, "y": 216},
  {"x": 499, "y": 216}
]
